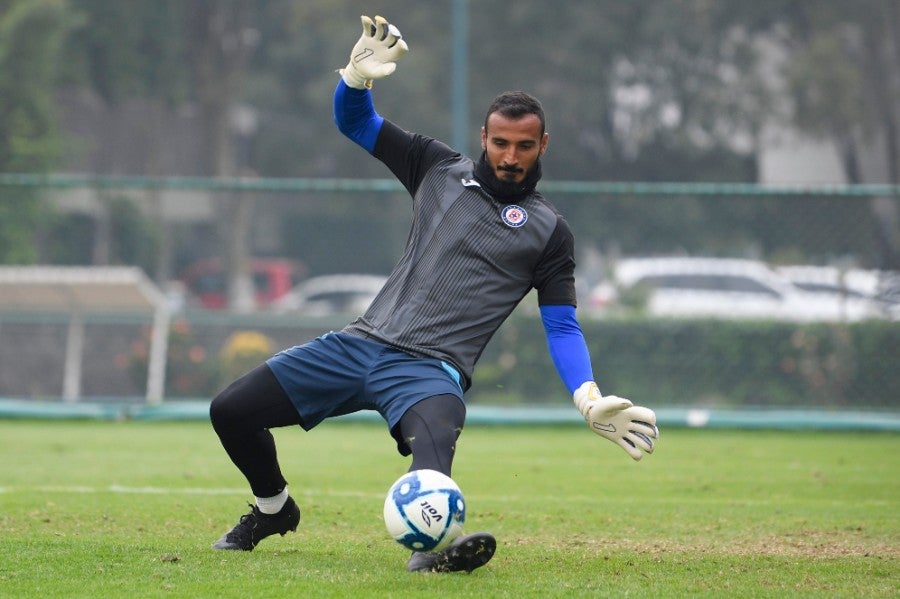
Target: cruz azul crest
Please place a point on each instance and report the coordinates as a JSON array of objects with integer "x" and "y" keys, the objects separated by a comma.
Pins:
[{"x": 514, "y": 216}]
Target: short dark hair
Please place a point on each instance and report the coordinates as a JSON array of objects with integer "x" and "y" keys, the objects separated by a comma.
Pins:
[{"x": 515, "y": 105}]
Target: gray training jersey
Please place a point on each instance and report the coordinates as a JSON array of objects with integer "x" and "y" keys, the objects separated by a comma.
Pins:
[{"x": 469, "y": 258}]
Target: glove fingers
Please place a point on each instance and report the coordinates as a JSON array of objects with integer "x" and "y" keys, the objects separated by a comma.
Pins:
[
  {"x": 648, "y": 430},
  {"x": 368, "y": 26},
  {"x": 642, "y": 414},
  {"x": 620, "y": 402},
  {"x": 397, "y": 48},
  {"x": 395, "y": 52},
  {"x": 392, "y": 38},
  {"x": 630, "y": 449},
  {"x": 381, "y": 28},
  {"x": 389, "y": 37},
  {"x": 640, "y": 440},
  {"x": 610, "y": 405}
]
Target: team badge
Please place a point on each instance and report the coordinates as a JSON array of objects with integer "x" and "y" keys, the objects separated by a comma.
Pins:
[{"x": 514, "y": 216}]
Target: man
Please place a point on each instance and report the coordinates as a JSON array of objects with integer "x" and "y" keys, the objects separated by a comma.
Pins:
[{"x": 482, "y": 237}]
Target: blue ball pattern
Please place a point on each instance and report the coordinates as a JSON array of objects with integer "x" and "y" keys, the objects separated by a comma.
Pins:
[{"x": 408, "y": 491}]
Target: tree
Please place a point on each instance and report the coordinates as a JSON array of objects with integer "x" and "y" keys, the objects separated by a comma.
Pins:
[
  {"x": 843, "y": 77},
  {"x": 128, "y": 51},
  {"x": 31, "y": 35},
  {"x": 221, "y": 39},
  {"x": 171, "y": 54},
  {"x": 637, "y": 90}
]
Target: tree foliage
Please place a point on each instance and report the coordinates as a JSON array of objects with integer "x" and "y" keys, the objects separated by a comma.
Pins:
[
  {"x": 31, "y": 35},
  {"x": 638, "y": 90},
  {"x": 844, "y": 76}
]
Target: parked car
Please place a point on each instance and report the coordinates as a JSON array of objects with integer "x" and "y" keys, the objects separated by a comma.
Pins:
[
  {"x": 206, "y": 283},
  {"x": 828, "y": 279},
  {"x": 853, "y": 288},
  {"x": 889, "y": 294},
  {"x": 721, "y": 288},
  {"x": 331, "y": 294}
]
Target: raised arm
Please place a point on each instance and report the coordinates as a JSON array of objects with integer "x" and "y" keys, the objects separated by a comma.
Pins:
[
  {"x": 373, "y": 56},
  {"x": 355, "y": 116}
]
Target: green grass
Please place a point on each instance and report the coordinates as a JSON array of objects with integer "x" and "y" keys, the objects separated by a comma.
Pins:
[{"x": 102, "y": 509}]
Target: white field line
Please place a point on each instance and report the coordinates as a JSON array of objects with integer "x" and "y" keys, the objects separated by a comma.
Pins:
[
  {"x": 121, "y": 489},
  {"x": 505, "y": 499}
]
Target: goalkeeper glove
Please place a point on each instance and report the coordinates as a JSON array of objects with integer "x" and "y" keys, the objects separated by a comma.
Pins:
[
  {"x": 374, "y": 55},
  {"x": 633, "y": 428}
]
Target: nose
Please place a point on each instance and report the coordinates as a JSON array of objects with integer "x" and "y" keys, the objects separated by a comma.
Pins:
[{"x": 511, "y": 156}]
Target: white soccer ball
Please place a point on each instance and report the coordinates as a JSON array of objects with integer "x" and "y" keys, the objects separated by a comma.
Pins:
[{"x": 424, "y": 510}]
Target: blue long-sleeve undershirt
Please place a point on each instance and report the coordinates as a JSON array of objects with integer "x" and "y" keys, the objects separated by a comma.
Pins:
[
  {"x": 567, "y": 346},
  {"x": 355, "y": 116}
]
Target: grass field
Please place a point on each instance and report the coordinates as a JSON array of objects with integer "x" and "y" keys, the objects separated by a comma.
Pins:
[{"x": 129, "y": 509}]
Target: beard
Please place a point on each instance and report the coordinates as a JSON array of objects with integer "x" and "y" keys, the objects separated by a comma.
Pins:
[{"x": 506, "y": 188}]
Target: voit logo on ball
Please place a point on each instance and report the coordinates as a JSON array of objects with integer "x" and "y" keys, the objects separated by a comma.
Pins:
[
  {"x": 514, "y": 216},
  {"x": 429, "y": 512}
]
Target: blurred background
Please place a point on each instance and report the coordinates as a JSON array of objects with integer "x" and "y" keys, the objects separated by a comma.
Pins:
[{"x": 176, "y": 203}]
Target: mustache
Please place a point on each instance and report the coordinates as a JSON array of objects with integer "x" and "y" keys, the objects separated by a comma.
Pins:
[{"x": 510, "y": 168}]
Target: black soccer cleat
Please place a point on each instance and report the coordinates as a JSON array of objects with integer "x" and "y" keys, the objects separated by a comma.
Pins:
[
  {"x": 462, "y": 555},
  {"x": 256, "y": 526}
]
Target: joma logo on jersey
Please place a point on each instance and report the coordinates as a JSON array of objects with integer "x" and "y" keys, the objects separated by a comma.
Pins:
[
  {"x": 429, "y": 512},
  {"x": 514, "y": 216}
]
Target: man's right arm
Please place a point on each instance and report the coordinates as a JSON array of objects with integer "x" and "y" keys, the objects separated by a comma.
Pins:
[
  {"x": 409, "y": 156},
  {"x": 355, "y": 116}
]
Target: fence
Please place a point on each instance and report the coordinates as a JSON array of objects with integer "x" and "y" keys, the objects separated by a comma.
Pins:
[{"x": 341, "y": 225}]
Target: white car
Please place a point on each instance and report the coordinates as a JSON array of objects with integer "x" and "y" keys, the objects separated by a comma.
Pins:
[
  {"x": 725, "y": 288},
  {"x": 828, "y": 279},
  {"x": 889, "y": 294},
  {"x": 857, "y": 290},
  {"x": 331, "y": 294}
]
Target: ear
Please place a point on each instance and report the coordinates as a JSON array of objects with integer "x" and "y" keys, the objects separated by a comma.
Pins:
[
  {"x": 544, "y": 141},
  {"x": 483, "y": 138}
]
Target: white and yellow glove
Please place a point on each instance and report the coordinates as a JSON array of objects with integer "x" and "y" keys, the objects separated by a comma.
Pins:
[
  {"x": 633, "y": 428},
  {"x": 375, "y": 54}
]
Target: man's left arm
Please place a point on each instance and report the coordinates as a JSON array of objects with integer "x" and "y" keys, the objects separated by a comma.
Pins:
[{"x": 633, "y": 428}]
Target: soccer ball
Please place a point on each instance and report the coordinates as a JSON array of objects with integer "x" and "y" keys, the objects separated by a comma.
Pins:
[{"x": 424, "y": 510}]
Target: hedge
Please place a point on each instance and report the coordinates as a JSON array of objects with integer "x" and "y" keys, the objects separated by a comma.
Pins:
[{"x": 705, "y": 362}]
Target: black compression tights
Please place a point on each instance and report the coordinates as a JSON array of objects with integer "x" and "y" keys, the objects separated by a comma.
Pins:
[
  {"x": 243, "y": 413},
  {"x": 430, "y": 429}
]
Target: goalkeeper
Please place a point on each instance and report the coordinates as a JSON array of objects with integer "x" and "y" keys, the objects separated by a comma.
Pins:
[{"x": 482, "y": 237}]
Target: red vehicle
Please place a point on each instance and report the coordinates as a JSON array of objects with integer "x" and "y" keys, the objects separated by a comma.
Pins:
[{"x": 272, "y": 278}]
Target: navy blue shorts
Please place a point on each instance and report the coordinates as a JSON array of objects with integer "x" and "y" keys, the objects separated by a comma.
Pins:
[{"x": 338, "y": 374}]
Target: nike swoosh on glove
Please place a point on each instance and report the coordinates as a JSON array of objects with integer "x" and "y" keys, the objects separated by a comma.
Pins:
[{"x": 631, "y": 427}]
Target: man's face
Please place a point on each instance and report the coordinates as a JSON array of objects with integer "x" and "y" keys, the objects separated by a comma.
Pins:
[{"x": 513, "y": 146}]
